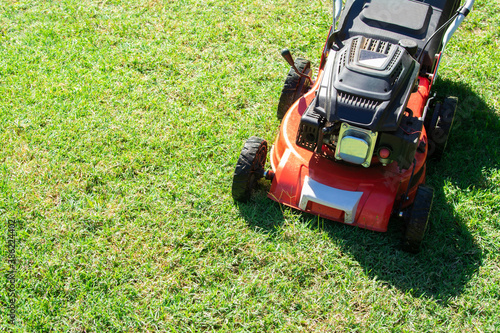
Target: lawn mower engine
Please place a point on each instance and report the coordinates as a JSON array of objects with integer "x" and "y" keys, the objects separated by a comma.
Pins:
[{"x": 359, "y": 114}]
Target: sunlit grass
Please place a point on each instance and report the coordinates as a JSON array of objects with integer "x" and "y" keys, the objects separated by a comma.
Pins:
[{"x": 120, "y": 125}]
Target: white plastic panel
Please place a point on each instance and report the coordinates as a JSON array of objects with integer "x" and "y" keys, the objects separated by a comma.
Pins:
[{"x": 346, "y": 201}]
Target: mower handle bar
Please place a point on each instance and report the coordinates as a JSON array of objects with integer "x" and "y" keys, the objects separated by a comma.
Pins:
[
  {"x": 337, "y": 8},
  {"x": 462, "y": 12}
]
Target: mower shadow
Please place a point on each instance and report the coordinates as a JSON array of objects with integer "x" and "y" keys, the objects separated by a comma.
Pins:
[
  {"x": 262, "y": 214},
  {"x": 450, "y": 256},
  {"x": 473, "y": 144}
]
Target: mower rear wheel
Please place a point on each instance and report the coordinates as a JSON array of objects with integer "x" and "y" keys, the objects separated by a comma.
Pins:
[
  {"x": 249, "y": 168},
  {"x": 418, "y": 219},
  {"x": 440, "y": 131},
  {"x": 295, "y": 86}
]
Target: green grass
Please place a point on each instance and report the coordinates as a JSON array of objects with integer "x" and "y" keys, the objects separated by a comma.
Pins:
[{"x": 120, "y": 126}]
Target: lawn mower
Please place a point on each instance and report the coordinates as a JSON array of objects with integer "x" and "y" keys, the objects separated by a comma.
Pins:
[{"x": 353, "y": 142}]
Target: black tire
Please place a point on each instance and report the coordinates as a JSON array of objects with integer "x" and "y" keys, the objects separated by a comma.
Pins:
[
  {"x": 295, "y": 86},
  {"x": 249, "y": 168},
  {"x": 440, "y": 130},
  {"x": 418, "y": 219}
]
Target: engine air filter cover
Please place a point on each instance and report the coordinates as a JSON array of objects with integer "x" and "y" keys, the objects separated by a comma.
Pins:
[
  {"x": 355, "y": 145},
  {"x": 353, "y": 149}
]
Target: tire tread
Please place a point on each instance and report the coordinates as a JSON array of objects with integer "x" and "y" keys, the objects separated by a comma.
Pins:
[
  {"x": 248, "y": 168},
  {"x": 290, "y": 93}
]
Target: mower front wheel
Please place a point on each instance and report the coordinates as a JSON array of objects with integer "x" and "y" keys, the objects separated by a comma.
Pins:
[
  {"x": 249, "y": 168},
  {"x": 295, "y": 86},
  {"x": 418, "y": 219}
]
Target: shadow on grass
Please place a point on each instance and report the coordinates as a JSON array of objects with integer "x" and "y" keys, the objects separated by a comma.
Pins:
[
  {"x": 450, "y": 255},
  {"x": 473, "y": 144},
  {"x": 261, "y": 213}
]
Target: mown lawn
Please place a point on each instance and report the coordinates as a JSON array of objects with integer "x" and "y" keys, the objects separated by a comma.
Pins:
[{"x": 120, "y": 125}]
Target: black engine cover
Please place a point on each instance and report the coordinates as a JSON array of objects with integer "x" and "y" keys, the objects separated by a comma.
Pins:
[{"x": 367, "y": 83}]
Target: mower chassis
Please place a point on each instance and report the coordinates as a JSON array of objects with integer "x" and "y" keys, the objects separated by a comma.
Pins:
[{"x": 339, "y": 191}]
